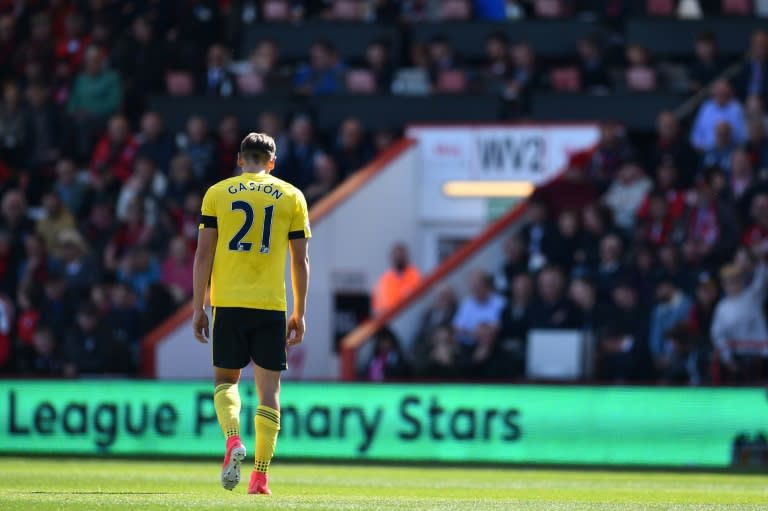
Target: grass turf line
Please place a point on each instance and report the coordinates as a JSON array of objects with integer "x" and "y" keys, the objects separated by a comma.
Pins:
[{"x": 69, "y": 485}]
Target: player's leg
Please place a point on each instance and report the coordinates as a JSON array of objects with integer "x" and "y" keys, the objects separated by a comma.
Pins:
[
  {"x": 267, "y": 424},
  {"x": 226, "y": 400},
  {"x": 230, "y": 354}
]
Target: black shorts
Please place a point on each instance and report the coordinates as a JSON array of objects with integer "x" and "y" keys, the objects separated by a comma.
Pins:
[{"x": 241, "y": 335}]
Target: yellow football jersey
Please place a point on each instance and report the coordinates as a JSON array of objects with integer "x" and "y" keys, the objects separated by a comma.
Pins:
[{"x": 256, "y": 215}]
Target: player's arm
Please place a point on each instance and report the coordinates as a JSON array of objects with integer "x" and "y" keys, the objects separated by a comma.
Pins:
[
  {"x": 207, "y": 237},
  {"x": 300, "y": 283}
]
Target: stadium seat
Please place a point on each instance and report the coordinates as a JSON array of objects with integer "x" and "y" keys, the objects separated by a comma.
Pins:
[
  {"x": 550, "y": 8},
  {"x": 640, "y": 80},
  {"x": 277, "y": 10},
  {"x": 452, "y": 81},
  {"x": 737, "y": 7},
  {"x": 360, "y": 81},
  {"x": 660, "y": 7},
  {"x": 565, "y": 79},
  {"x": 411, "y": 82},
  {"x": 179, "y": 83},
  {"x": 455, "y": 10},
  {"x": 347, "y": 10},
  {"x": 250, "y": 83}
]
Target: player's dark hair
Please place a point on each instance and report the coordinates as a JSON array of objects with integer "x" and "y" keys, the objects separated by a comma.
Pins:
[{"x": 258, "y": 148}]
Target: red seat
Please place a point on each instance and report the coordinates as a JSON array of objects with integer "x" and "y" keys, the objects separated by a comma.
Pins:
[
  {"x": 660, "y": 7},
  {"x": 360, "y": 81},
  {"x": 350, "y": 10},
  {"x": 565, "y": 79},
  {"x": 455, "y": 10},
  {"x": 276, "y": 10},
  {"x": 179, "y": 83},
  {"x": 550, "y": 8},
  {"x": 451, "y": 81},
  {"x": 250, "y": 83},
  {"x": 737, "y": 7},
  {"x": 641, "y": 79}
]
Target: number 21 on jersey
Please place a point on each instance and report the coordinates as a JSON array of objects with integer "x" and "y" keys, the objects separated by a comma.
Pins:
[{"x": 236, "y": 243}]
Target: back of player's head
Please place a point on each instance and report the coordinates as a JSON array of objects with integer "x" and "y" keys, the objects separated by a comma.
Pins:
[{"x": 258, "y": 148}]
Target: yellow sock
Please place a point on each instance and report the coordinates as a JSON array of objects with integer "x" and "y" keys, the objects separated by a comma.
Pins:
[
  {"x": 226, "y": 400},
  {"x": 267, "y": 422}
]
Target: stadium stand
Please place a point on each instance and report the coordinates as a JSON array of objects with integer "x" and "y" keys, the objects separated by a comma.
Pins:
[{"x": 116, "y": 115}]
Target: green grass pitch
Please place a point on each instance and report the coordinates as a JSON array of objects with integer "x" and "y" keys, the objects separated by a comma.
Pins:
[{"x": 66, "y": 485}]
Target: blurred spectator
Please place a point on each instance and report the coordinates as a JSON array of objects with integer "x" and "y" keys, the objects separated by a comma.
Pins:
[
  {"x": 181, "y": 181},
  {"x": 753, "y": 80},
  {"x": 72, "y": 261},
  {"x": 217, "y": 80},
  {"x": 324, "y": 74},
  {"x": 703, "y": 310},
  {"x": 441, "y": 57},
  {"x": 99, "y": 226},
  {"x": 523, "y": 76},
  {"x": 297, "y": 166},
  {"x": 439, "y": 313},
  {"x": 13, "y": 125},
  {"x": 629, "y": 314},
  {"x": 610, "y": 265},
  {"x": 140, "y": 270},
  {"x": 139, "y": 57},
  {"x": 271, "y": 123},
  {"x": 514, "y": 325},
  {"x": 757, "y": 143},
  {"x": 352, "y": 150},
  {"x": 124, "y": 317},
  {"x": 720, "y": 155},
  {"x": 590, "y": 313},
  {"x": 71, "y": 46},
  {"x": 39, "y": 44},
  {"x": 442, "y": 356},
  {"x": 498, "y": 66},
  {"x": 612, "y": 151},
  {"x": 657, "y": 225},
  {"x": 113, "y": 156},
  {"x": 688, "y": 359},
  {"x": 566, "y": 242},
  {"x": 95, "y": 97},
  {"x": 326, "y": 177},
  {"x": 17, "y": 225},
  {"x": 131, "y": 232},
  {"x": 594, "y": 74},
  {"x": 8, "y": 42},
  {"x": 756, "y": 233},
  {"x": 44, "y": 130},
  {"x": 264, "y": 72},
  {"x": 742, "y": 182},
  {"x": 89, "y": 347},
  {"x": 147, "y": 185},
  {"x": 722, "y": 107},
  {"x": 672, "y": 307},
  {"x": 153, "y": 142},
  {"x": 388, "y": 361},
  {"x": 707, "y": 65},
  {"x": 228, "y": 146},
  {"x": 481, "y": 308},
  {"x": 397, "y": 282},
  {"x": 617, "y": 356},
  {"x": 640, "y": 75},
  {"x": 572, "y": 191},
  {"x": 515, "y": 262},
  {"x": 739, "y": 315},
  {"x": 627, "y": 193},
  {"x": 643, "y": 266},
  {"x": 176, "y": 269},
  {"x": 551, "y": 308},
  {"x": 378, "y": 60},
  {"x": 57, "y": 219},
  {"x": 538, "y": 234},
  {"x": 596, "y": 221},
  {"x": 58, "y": 305},
  {"x": 708, "y": 224},
  {"x": 43, "y": 356},
  {"x": 672, "y": 145},
  {"x": 196, "y": 144}
]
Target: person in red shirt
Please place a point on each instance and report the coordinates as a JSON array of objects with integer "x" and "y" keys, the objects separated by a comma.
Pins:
[
  {"x": 71, "y": 46},
  {"x": 667, "y": 184},
  {"x": 397, "y": 282},
  {"x": 112, "y": 160}
]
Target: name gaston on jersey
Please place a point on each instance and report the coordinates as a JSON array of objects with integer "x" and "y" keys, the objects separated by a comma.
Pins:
[{"x": 253, "y": 186}]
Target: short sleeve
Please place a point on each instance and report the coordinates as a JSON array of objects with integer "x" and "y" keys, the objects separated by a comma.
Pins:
[
  {"x": 208, "y": 211},
  {"x": 300, "y": 222}
]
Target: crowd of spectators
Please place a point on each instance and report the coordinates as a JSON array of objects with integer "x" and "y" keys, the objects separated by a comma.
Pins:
[
  {"x": 659, "y": 257},
  {"x": 99, "y": 201}
]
